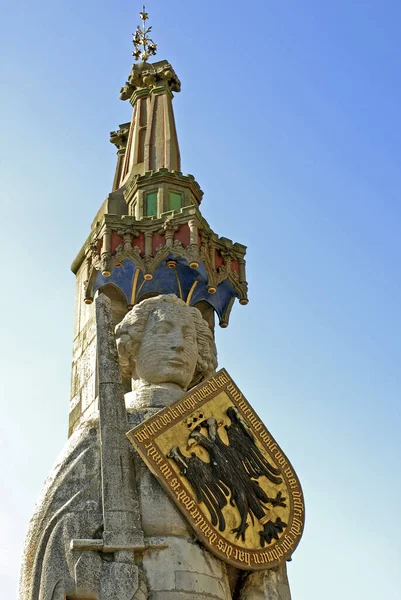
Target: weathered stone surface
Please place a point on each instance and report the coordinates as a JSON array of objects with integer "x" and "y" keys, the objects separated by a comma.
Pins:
[
  {"x": 119, "y": 581},
  {"x": 201, "y": 584},
  {"x": 174, "y": 595},
  {"x": 86, "y": 364},
  {"x": 69, "y": 507},
  {"x": 120, "y": 505},
  {"x": 182, "y": 556},
  {"x": 98, "y": 578},
  {"x": 83, "y": 374},
  {"x": 271, "y": 584},
  {"x": 159, "y": 515},
  {"x": 88, "y": 391},
  {"x": 88, "y": 574},
  {"x": 83, "y": 377}
]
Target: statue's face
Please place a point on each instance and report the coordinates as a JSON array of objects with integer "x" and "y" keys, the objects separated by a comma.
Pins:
[{"x": 168, "y": 352}]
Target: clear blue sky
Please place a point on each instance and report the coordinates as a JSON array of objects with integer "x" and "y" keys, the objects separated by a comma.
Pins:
[{"x": 289, "y": 118}]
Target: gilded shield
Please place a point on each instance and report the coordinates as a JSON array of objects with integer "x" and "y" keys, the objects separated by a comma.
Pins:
[{"x": 226, "y": 474}]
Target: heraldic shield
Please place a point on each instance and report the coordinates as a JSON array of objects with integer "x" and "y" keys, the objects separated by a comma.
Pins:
[{"x": 226, "y": 473}]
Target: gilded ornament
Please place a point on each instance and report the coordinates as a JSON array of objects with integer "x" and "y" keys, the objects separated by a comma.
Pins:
[{"x": 144, "y": 45}]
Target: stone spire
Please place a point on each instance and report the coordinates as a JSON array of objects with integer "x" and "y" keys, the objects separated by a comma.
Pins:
[
  {"x": 149, "y": 236},
  {"x": 150, "y": 140}
]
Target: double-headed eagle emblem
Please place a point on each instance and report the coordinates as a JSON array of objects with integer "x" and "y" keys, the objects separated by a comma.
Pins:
[
  {"x": 231, "y": 475},
  {"x": 226, "y": 474}
]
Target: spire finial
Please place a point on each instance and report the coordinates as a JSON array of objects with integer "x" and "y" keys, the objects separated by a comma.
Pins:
[{"x": 141, "y": 39}]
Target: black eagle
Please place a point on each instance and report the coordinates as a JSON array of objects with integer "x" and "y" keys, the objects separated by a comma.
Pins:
[
  {"x": 241, "y": 438},
  {"x": 206, "y": 487},
  {"x": 233, "y": 471}
]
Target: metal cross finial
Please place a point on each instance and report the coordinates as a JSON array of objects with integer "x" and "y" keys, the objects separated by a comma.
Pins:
[{"x": 144, "y": 45}]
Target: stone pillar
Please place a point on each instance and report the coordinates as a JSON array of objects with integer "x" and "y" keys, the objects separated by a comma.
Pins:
[{"x": 83, "y": 373}]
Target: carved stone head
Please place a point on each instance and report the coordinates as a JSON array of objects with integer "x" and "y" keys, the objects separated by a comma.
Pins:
[{"x": 162, "y": 340}]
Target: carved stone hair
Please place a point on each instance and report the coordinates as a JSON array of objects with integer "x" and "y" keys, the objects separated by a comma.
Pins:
[{"x": 129, "y": 335}]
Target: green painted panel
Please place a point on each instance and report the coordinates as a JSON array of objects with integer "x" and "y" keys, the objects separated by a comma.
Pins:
[
  {"x": 151, "y": 204},
  {"x": 175, "y": 201}
]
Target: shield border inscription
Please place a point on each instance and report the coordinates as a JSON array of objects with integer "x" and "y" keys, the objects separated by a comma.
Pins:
[{"x": 144, "y": 439}]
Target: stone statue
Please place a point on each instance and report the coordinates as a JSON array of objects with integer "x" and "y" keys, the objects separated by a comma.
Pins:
[{"x": 166, "y": 348}]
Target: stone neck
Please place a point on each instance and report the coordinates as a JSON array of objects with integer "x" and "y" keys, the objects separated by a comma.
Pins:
[{"x": 150, "y": 395}]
